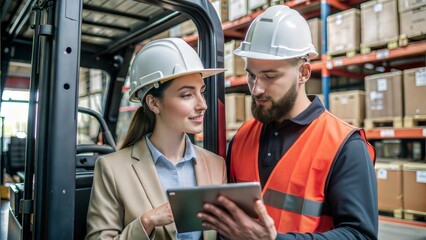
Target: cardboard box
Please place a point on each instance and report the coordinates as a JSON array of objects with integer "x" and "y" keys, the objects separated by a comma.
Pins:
[
  {"x": 406, "y": 5},
  {"x": 414, "y": 186},
  {"x": 343, "y": 31},
  {"x": 234, "y": 108},
  {"x": 389, "y": 185},
  {"x": 253, "y": 4},
  {"x": 315, "y": 26},
  {"x": 379, "y": 22},
  {"x": 384, "y": 95},
  {"x": 415, "y": 91},
  {"x": 233, "y": 9},
  {"x": 413, "y": 22},
  {"x": 348, "y": 105},
  {"x": 248, "y": 100},
  {"x": 235, "y": 65}
]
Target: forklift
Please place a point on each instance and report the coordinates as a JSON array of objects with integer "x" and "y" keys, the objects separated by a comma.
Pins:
[{"x": 58, "y": 37}]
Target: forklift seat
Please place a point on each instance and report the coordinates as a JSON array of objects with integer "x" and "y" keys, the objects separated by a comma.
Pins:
[
  {"x": 85, "y": 164},
  {"x": 15, "y": 157}
]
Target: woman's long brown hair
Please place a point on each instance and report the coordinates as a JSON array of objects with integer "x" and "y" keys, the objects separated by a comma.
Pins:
[{"x": 143, "y": 121}]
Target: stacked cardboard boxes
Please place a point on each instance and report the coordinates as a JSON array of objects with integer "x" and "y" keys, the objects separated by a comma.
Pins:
[
  {"x": 414, "y": 187},
  {"x": 379, "y": 22},
  {"x": 234, "y": 110},
  {"x": 412, "y": 18},
  {"x": 414, "y": 91},
  {"x": 389, "y": 186},
  {"x": 413, "y": 22},
  {"x": 343, "y": 30},
  {"x": 315, "y": 26},
  {"x": 234, "y": 65},
  {"x": 255, "y": 4},
  {"x": 232, "y": 9},
  {"x": 348, "y": 106},
  {"x": 384, "y": 95},
  {"x": 237, "y": 111},
  {"x": 401, "y": 185},
  {"x": 406, "y": 5},
  {"x": 229, "y": 10},
  {"x": 248, "y": 102}
]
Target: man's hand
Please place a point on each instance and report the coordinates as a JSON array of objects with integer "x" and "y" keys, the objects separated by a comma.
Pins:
[{"x": 236, "y": 224}]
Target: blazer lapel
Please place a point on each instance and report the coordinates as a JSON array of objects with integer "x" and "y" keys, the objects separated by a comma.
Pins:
[
  {"x": 147, "y": 174},
  {"x": 203, "y": 178},
  {"x": 200, "y": 167}
]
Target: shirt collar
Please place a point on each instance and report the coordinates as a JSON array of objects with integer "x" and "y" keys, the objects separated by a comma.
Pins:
[
  {"x": 156, "y": 154},
  {"x": 311, "y": 112}
]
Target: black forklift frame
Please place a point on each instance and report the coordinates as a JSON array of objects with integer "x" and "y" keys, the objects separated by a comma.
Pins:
[{"x": 57, "y": 54}]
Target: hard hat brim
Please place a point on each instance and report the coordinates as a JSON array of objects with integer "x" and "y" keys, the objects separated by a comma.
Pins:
[
  {"x": 204, "y": 74},
  {"x": 267, "y": 56}
]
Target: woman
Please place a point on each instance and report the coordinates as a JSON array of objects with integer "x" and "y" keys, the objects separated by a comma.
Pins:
[{"x": 128, "y": 198}]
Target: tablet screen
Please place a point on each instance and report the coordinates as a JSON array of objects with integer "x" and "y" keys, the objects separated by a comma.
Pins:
[{"x": 187, "y": 202}]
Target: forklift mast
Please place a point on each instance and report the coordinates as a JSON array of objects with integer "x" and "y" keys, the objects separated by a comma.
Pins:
[{"x": 59, "y": 45}]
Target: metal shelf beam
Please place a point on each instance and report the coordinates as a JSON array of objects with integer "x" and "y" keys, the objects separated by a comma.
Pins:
[
  {"x": 397, "y": 133},
  {"x": 414, "y": 49}
]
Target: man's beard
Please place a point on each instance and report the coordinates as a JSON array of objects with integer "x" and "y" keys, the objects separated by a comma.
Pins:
[{"x": 277, "y": 110}]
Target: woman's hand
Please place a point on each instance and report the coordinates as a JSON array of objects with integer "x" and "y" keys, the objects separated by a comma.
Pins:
[{"x": 157, "y": 217}]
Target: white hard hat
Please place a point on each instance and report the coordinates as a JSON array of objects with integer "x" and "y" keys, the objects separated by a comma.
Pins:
[
  {"x": 277, "y": 33},
  {"x": 163, "y": 60}
]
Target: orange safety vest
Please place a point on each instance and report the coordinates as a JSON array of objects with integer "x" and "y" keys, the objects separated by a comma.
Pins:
[{"x": 294, "y": 193}]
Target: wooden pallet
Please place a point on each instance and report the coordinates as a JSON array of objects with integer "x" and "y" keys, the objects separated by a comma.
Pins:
[
  {"x": 394, "y": 122},
  {"x": 415, "y": 121},
  {"x": 355, "y": 122},
  {"x": 396, "y": 213},
  {"x": 404, "y": 40},
  {"x": 347, "y": 53},
  {"x": 389, "y": 44},
  {"x": 414, "y": 215}
]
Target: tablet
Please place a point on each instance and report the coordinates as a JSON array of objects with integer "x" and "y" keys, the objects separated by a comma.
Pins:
[{"x": 187, "y": 202}]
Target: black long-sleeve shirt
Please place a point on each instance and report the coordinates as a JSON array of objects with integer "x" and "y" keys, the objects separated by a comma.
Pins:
[{"x": 351, "y": 189}]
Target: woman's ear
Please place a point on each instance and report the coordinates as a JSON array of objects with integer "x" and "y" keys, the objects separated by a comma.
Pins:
[
  {"x": 152, "y": 103},
  {"x": 305, "y": 72}
]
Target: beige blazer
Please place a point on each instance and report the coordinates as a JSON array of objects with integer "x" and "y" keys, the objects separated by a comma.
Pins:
[{"x": 126, "y": 185}]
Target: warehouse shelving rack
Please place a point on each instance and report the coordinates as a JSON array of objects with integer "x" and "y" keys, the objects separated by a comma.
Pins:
[{"x": 327, "y": 66}]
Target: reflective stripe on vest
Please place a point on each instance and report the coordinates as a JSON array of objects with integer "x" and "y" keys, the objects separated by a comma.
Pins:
[
  {"x": 294, "y": 203},
  {"x": 294, "y": 192}
]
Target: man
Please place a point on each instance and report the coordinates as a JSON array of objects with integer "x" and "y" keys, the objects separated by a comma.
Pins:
[{"x": 316, "y": 171}]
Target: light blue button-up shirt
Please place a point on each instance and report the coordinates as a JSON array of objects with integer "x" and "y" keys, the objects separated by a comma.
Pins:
[{"x": 180, "y": 175}]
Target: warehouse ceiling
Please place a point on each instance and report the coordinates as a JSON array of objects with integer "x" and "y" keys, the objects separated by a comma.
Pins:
[{"x": 107, "y": 26}]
